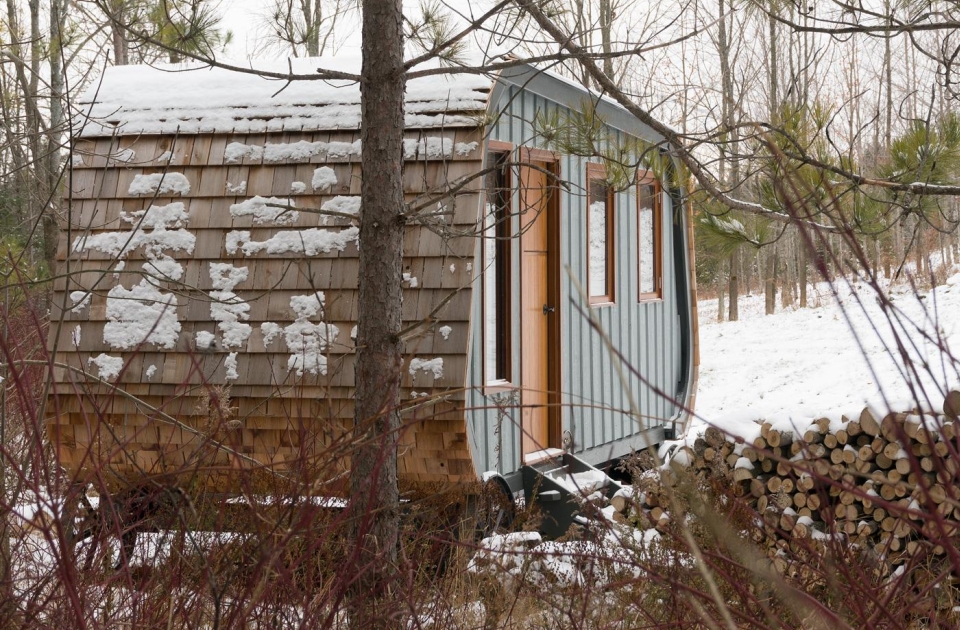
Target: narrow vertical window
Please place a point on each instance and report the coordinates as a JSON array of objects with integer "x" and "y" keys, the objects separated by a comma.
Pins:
[
  {"x": 496, "y": 270},
  {"x": 600, "y": 236},
  {"x": 649, "y": 231}
]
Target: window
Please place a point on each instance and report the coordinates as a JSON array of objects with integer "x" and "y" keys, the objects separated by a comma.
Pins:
[
  {"x": 600, "y": 252},
  {"x": 649, "y": 235},
  {"x": 496, "y": 271}
]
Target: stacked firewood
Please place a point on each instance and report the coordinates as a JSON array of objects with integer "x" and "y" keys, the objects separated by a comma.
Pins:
[{"x": 890, "y": 484}]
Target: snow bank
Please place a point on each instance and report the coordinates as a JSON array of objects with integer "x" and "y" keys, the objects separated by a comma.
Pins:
[{"x": 829, "y": 361}]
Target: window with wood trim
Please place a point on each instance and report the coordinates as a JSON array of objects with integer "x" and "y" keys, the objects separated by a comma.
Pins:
[
  {"x": 496, "y": 271},
  {"x": 600, "y": 236},
  {"x": 649, "y": 237}
]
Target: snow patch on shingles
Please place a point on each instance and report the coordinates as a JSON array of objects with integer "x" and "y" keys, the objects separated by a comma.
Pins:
[
  {"x": 151, "y": 370},
  {"x": 305, "y": 340},
  {"x": 453, "y": 268},
  {"x": 445, "y": 331},
  {"x": 237, "y": 189},
  {"x": 161, "y": 269},
  {"x": 236, "y": 151},
  {"x": 226, "y": 277},
  {"x": 435, "y": 366},
  {"x": 266, "y": 210},
  {"x": 141, "y": 314},
  {"x": 75, "y": 336},
  {"x": 270, "y": 331},
  {"x": 234, "y": 239},
  {"x": 166, "y": 156},
  {"x": 80, "y": 299},
  {"x": 324, "y": 178},
  {"x": 152, "y": 231},
  {"x": 466, "y": 148},
  {"x": 411, "y": 280},
  {"x": 303, "y": 150},
  {"x": 298, "y": 188},
  {"x": 204, "y": 339},
  {"x": 344, "y": 205},
  {"x": 108, "y": 367},
  {"x": 290, "y": 151},
  {"x": 306, "y": 242},
  {"x": 76, "y": 159},
  {"x": 432, "y": 147},
  {"x": 227, "y": 308},
  {"x": 159, "y": 183},
  {"x": 231, "y": 366}
]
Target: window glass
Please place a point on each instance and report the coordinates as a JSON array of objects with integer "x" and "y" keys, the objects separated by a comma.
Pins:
[
  {"x": 599, "y": 236},
  {"x": 496, "y": 271},
  {"x": 649, "y": 238}
]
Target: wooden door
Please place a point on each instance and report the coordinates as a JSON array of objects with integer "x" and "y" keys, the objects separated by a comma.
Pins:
[{"x": 538, "y": 310}]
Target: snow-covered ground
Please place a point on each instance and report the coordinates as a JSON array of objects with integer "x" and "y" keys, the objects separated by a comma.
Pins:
[{"x": 833, "y": 358}]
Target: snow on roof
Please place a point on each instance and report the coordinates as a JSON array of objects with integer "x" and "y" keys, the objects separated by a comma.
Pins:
[{"x": 197, "y": 98}]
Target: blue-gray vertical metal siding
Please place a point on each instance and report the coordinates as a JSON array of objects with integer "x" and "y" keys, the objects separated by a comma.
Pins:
[{"x": 595, "y": 405}]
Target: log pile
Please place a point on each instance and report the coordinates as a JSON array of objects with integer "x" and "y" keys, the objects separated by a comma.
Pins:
[{"x": 891, "y": 484}]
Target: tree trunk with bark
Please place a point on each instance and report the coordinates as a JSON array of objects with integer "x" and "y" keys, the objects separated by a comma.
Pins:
[
  {"x": 311, "y": 24},
  {"x": 721, "y": 303},
  {"x": 734, "y": 290},
  {"x": 802, "y": 275},
  {"x": 373, "y": 474},
  {"x": 118, "y": 36},
  {"x": 51, "y": 224},
  {"x": 770, "y": 283},
  {"x": 606, "y": 36}
]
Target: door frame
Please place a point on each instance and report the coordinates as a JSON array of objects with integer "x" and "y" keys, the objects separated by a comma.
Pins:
[{"x": 551, "y": 161}]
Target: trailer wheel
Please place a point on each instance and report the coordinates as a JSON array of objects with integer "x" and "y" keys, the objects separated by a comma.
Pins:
[{"x": 495, "y": 510}]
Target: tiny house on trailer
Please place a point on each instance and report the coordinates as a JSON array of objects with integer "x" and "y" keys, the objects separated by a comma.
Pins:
[{"x": 210, "y": 259}]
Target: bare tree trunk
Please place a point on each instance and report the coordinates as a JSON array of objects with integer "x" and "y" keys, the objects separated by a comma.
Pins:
[
  {"x": 606, "y": 36},
  {"x": 921, "y": 250},
  {"x": 802, "y": 273},
  {"x": 734, "y": 313},
  {"x": 721, "y": 306},
  {"x": 121, "y": 47},
  {"x": 728, "y": 105},
  {"x": 311, "y": 22},
  {"x": 373, "y": 471},
  {"x": 773, "y": 71},
  {"x": 788, "y": 286},
  {"x": 875, "y": 255},
  {"x": 886, "y": 257},
  {"x": 770, "y": 283},
  {"x": 51, "y": 227},
  {"x": 888, "y": 68}
]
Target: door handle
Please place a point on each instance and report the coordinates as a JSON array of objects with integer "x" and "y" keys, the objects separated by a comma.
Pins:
[{"x": 549, "y": 309}]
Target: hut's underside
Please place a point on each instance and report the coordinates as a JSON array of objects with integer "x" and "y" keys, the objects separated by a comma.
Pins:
[{"x": 244, "y": 390}]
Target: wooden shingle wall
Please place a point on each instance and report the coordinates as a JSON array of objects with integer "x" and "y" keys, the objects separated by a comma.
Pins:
[{"x": 273, "y": 415}]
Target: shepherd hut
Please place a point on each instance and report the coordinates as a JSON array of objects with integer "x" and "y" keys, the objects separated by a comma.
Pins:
[{"x": 206, "y": 301}]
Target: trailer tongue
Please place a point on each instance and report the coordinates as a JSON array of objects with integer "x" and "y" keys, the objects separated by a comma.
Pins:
[{"x": 559, "y": 486}]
